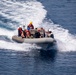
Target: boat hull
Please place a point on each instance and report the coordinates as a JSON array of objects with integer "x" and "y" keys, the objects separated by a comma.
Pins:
[{"x": 45, "y": 43}]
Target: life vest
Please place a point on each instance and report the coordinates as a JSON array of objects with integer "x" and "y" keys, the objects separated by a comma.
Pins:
[
  {"x": 31, "y": 26},
  {"x": 22, "y": 35},
  {"x": 28, "y": 33},
  {"x": 19, "y": 31}
]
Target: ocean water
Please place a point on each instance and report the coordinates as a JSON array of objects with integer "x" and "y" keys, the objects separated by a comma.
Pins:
[{"x": 28, "y": 59}]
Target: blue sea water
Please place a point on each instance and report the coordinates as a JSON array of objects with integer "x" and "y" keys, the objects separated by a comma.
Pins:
[{"x": 28, "y": 59}]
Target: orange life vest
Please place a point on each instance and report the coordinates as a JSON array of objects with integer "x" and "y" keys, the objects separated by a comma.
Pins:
[{"x": 28, "y": 33}]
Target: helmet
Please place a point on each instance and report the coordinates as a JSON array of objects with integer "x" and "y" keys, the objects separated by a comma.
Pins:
[
  {"x": 49, "y": 30},
  {"x": 20, "y": 26},
  {"x": 31, "y": 22}
]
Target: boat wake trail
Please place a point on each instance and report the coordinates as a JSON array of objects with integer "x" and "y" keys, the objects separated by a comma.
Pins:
[{"x": 14, "y": 13}]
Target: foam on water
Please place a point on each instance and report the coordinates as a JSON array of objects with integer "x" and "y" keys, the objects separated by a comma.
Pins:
[
  {"x": 16, "y": 46},
  {"x": 23, "y": 13},
  {"x": 65, "y": 40}
]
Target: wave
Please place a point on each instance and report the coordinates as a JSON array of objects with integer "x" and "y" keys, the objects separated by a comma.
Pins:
[{"x": 14, "y": 13}]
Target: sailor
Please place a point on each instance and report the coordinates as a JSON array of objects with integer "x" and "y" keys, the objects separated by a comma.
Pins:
[
  {"x": 30, "y": 26},
  {"x": 42, "y": 29},
  {"x": 28, "y": 34},
  {"x": 24, "y": 33},
  {"x": 23, "y": 27},
  {"x": 19, "y": 31},
  {"x": 50, "y": 34},
  {"x": 37, "y": 33}
]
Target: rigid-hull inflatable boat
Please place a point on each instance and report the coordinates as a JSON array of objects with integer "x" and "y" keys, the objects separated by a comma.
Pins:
[{"x": 45, "y": 42}]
